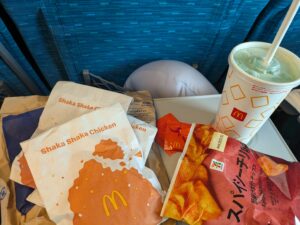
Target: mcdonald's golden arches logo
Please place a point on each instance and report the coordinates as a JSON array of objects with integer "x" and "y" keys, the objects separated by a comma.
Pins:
[
  {"x": 113, "y": 202},
  {"x": 238, "y": 114}
]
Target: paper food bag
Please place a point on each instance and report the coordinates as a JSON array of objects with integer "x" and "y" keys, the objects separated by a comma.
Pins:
[
  {"x": 16, "y": 129},
  {"x": 145, "y": 134},
  {"x": 67, "y": 100},
  {"x": 9, "y": 214},
  {"x": 87, "y": 171},
  {"x": 142, "y": 107}
]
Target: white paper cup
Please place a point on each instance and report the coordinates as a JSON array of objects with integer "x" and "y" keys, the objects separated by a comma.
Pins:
[{"x": 247, "y": 102}]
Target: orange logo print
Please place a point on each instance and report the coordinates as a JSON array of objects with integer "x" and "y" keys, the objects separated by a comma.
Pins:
[
  {"x": 237, "y": 92},
  {"x": 259, "y": 101},
  {"x": 102, "y": 196}
]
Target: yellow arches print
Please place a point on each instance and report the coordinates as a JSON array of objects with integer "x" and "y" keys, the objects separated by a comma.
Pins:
[{"x": 112, "y": 200}]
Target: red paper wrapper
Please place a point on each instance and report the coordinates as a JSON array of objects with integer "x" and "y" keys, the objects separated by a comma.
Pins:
[
  {"x": 219, "y": 180},
  {"x": 172, "y": 134}
]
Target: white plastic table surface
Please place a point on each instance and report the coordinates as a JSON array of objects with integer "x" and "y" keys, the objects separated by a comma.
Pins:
[{"x": 202, "y": 109}]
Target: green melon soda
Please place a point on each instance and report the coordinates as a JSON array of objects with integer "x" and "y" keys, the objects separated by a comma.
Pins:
[{"x": 280, "y": 70}]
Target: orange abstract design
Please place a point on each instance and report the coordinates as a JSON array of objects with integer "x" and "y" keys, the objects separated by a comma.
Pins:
[
  {"x": 253, "y": 123},
  {"x": 108, "y": 149},
  {"x": 102, "y": 196},
  {"x": 230, "y": 73},
  {"x": 232, "y": 133},
  {"x": 217, "y": 123},
  {"x": 267, "y": 112},
  {"x": 227, "y": 123},
  {"x": 270, "y": 167},
  {"x": 225, "y": 98},
  {"x": 259, "y": 101},
  {"x": 26, "y": 176},
  {"x": 237, "y": 92}
]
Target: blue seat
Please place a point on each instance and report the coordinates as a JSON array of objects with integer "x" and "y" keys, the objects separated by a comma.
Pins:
[
  {"x": 113, "y": 38},
  {"x": 6, "y": 74}
]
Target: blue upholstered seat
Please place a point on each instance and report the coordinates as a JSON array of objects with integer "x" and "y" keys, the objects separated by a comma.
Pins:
[{"x": 112, "y": 38}]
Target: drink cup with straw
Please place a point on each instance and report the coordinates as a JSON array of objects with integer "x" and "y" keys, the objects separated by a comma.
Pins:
[{"x": 259, "y": 77}]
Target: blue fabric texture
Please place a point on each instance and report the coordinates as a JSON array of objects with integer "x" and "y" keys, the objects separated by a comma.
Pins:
[
  {"x": 269, "y": 22},
  {"x": 6, "y": 74},
  {"x": 16, "y": 129},
  {"x": 27, "y": 17},
  {"x": 113, "y": 38}
]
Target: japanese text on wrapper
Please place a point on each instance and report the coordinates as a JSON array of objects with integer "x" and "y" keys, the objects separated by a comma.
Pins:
[{"x": 240, "y": 187}]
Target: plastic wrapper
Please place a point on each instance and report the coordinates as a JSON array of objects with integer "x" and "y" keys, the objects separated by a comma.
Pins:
[
  {"x": 87, "y": 170},
  {"x": 70, "y": 98},
  {"x": 18, "y": 128},
  {"x": 172, "y": 134},
  {"x": 145, "y": 134},
  {"x": 219, "y": 180},
  {"x": 67, "y": 100},
  {"x": 9, "y": 214},
  {"x": 142, "y": 106}
]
